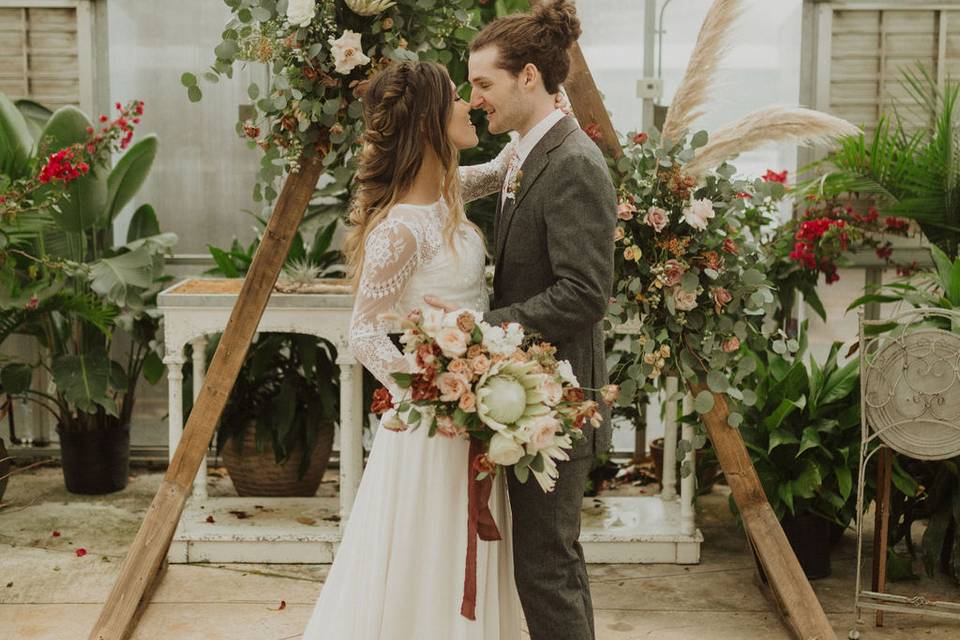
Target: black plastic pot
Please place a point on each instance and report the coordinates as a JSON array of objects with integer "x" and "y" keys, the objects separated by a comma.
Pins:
[
  {"x": 812, "y": 539},
  {"x": 95, "y": 462},
  {"x": 5, "y": 466}
]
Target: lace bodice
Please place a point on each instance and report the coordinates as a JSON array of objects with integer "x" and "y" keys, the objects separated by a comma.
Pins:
[{"x": 406, "y": 258}]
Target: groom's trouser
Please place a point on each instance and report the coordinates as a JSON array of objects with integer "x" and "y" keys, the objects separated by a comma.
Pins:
[{"x": 548, "y": 559}]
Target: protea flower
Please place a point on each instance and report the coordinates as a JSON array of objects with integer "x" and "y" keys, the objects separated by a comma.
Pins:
[
  {"x": 369, "y": 7},
  {"x": 508, "y": 393}
]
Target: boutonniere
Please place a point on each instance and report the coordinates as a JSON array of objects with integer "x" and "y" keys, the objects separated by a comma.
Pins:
[{"x": 514, "y": 185}]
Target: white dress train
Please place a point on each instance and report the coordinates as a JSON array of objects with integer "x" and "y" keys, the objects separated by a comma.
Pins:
[{"x": 399, "y": 571}]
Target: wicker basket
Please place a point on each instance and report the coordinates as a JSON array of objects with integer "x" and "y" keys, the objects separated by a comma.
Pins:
[{"x": 257, "y": 474}]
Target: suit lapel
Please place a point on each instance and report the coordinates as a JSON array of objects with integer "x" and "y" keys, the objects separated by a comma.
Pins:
[{"x": 531, "y": 169}]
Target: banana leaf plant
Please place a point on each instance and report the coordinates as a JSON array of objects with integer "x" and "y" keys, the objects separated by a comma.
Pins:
[
  {"x": 910, "y": 165},
  {"x": 65, "y": 281}
]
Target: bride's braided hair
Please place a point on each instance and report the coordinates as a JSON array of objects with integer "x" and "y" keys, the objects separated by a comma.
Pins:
[{"x": 406, "y": 109}]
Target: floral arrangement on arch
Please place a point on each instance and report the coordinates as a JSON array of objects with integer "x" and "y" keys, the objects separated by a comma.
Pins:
[
  {"x": 690, "y": 286},
  {"x": 320, "y": 54}
]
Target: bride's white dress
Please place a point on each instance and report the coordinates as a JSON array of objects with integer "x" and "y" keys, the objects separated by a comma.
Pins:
[{"x": 399, "y": 572}]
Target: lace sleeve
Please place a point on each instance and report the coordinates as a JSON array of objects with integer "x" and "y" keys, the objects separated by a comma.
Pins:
[
  {"x": 481, "y": 180},
  {"x": 390, "y": 258}
]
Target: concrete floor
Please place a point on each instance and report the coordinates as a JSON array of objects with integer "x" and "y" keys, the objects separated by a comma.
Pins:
[{"x": 48, "y": 592}]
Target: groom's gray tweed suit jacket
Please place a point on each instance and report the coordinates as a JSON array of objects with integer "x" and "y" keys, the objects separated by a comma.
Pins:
[{"x": 554, "y": 257}]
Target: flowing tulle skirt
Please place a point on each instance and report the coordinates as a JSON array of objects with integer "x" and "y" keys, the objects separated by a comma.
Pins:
[{"x": 398, "y": 574}]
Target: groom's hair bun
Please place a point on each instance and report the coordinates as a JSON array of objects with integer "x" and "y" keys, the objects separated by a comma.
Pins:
[
  {"x": 560, "y": 22},
  {"x": 541, "y": 37}
]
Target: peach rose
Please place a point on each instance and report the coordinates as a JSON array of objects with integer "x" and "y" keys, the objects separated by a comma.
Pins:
[
  {"x": 468, "y": 402},
  {"x": 466, "y": 322},
  {"x": 657, "y": 218},
  {"x": 541, "y": 432},
  {"x": 552, "y": 391},
  {"x": 721, "y": 297},
  {"x": 460, "y": 367},
  {"x": 447, "y": 428},
  {"x": 451, "y": 386},
  {"x": 626, "y": 210},
  {"x": 618, "y": 234},
  {"x": 480, "y": 364},
  {"x": 673, "y": 271},
  {"x": 731, "y": 344},
  {"x": 684, "y": 300}
]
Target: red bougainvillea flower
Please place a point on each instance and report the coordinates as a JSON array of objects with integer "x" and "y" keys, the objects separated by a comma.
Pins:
[
  {"x": 896, "y": 224},
  {"x": 81, "y": 552},
  {"x": 640, "y": 138},
  {"x": 62, "y": 166},
  {"x": 773, "y": 176},
  {"x": 885, "y": 251},
  {"x": 55, "y": 534}
]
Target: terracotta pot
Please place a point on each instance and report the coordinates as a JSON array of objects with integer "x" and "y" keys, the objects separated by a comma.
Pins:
[{"x": 257, "y": 474}]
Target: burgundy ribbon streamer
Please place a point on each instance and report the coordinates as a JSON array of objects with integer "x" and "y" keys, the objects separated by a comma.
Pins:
[{"x": 480, "y": 524}]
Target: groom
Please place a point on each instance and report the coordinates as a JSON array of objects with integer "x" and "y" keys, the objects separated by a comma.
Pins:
[{"x": 553, "y": 246}]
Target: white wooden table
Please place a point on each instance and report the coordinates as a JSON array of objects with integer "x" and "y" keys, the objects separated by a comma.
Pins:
[{"x": 647, "y": 529}]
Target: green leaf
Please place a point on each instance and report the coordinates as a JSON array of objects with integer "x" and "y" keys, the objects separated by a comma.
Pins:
[
  {"x": 809, "y": 440},
  {"x": 16, "y": 378},
  {"x": 143, "y": 224},
  {"x": 522, "y": 473},
  {"x": 129, "y": 174},
  {"x": 704, "y": 402},
  {"x": 224, "y": 263},
  {"x": 840, "y": 383},
  {"x": 844, "y": 481},
  {"x": 194, "y": 94},
  {"x": 16, "y": 142},
  {"x": 153, "y": 368},
  {"x": 35, "y": 114},
  {"x": 717, "y": 382},
  {"x": 783, "y": 410},
  {"x": 188, "y": 80},
  {"x": 735, "y": 419},
  {"x": 67, "y": 126},
  {"x": 780, "y": 437},
  {"x": 700, "y": 139},
  {"x": 83, "y": 379},
  {"x": 322, "y": 241},
  {"x": 785, "y": 493},
  {"x": 116, "y": 278},
  {"x": 809, "y": 480}
]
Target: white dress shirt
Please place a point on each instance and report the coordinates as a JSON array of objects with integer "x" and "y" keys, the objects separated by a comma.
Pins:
[{"x": 525, "y": 146}]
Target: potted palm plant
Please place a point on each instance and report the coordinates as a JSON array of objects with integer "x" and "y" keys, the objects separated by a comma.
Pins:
[{"x": 66, "y": 283}]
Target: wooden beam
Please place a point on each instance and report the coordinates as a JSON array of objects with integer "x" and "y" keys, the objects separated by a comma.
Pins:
[
  {"x": 141, "y": 567},
  {"x": 588, "y": 104},
  {"x": 798, "y": 604}
]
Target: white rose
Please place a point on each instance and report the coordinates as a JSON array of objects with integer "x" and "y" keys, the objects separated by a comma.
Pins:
[
  {"x": 566, "y": 373},
  {"x": 502, "y": 341},
  {"x": 348, "y": 52},
  {"x": 452, "y": 342},
  {"x": 698, "y": 213},
  {"x": 392, "y": 422},
  {"x": 301, "y": 12},
  {"x": 540, "y": 432},
  {"x": 504, "y": 450},
  {"x": 551, "y": 389},
  {"x": 685, "y": 300}
]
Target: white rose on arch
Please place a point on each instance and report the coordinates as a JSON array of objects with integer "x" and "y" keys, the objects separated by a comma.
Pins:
[
  {"x": 347, "y": 52},
  {"x": 301, "y": 12},
  {"x": 698, "y": 214}
]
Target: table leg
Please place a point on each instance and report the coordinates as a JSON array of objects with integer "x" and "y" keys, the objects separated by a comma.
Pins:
[
  {"x": 688, "y": 485},
  {"x": 199, "y": 371},
  {"x": 668, "y": 489},
  {"x": 174, "y": 363}
]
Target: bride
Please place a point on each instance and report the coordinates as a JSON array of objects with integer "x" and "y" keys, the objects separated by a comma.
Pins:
[{"x": 399, "y": 572}]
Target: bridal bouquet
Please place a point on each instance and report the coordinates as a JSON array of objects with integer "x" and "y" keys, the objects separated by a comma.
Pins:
[{"x": 470, "y": 379}]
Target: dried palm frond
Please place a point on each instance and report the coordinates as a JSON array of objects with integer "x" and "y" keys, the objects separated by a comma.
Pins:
[
  {"x": 772, "y": 124},
  {"x": 694, "y": 89}
]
